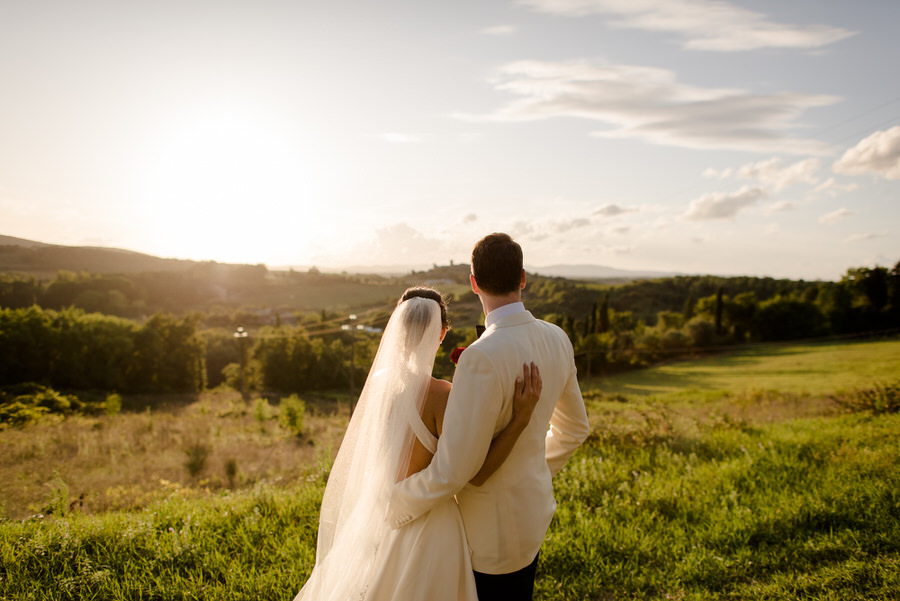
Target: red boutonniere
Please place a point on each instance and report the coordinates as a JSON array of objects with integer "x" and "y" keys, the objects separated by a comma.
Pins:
[{"x": 454, "y": 356}]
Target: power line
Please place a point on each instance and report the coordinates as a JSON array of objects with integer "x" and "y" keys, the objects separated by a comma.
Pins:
[{"x": 857, "y": 116}]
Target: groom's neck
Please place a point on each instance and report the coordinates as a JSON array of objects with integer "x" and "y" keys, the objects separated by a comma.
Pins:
[{"x": 490, "y": 302}]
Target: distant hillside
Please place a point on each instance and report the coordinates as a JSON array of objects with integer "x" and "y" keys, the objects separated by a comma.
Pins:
[
  {"x": 18, "y": 255},
  {"x": 12, "y": 241},
  {"x": 597, "y": 272}
]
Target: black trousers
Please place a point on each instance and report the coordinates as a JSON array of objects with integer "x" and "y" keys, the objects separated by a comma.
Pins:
[{"x": 515, "y": 586}]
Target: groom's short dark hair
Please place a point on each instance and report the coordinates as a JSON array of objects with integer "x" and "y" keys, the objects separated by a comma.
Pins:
[{"x": 497, "y": 264}]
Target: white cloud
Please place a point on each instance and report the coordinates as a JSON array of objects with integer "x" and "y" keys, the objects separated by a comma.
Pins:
[
  {"x": 771, "y": 173},
  {"x": 704, "y": 24},
  {"x": 660, "y": 223},
  {"x": 499, "y": 30},
  {"x": 835, "y": 216},
  {"x": 649, "y": 103},
  {"x": 711, "y": 173},
  {"x": 832, "y": 188},
  {"x": 779, "y": 207},
  {"x": 722, "y": 206},
  {"x": 870, "y": 236},
  {"x": 398, "y": 243},
  {"x": 399, "y": 138},
  {"x": 772, "y": 229},
  {"x": 536, "y": 230},
  {"x": 878, "y": 154},
  {"x": 621, "y": 230},
  {"x": 470, "y": 218},
  {"x": 562, "y": 227},
  {"x": 612, "y": 210}
]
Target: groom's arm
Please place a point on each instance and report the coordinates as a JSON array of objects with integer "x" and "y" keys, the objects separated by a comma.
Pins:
[
  {"x": 569, "y": 425},
  {"x": 472, "y": 413}
]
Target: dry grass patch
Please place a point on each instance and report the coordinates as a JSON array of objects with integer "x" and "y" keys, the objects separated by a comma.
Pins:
[{"x": 159, "y": 446}]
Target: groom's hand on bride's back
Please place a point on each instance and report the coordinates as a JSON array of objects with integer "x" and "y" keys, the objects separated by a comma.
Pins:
[{"x": 527, "y": 393}]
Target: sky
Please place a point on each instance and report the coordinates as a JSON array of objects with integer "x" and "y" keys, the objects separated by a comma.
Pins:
[{"x": 690, "y": 136}]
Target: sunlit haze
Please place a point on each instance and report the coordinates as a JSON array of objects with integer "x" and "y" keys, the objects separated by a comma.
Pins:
[{"x": 757, "y": 138}]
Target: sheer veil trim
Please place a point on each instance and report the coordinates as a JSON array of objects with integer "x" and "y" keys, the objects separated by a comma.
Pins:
[{"x": 374, "y": 454}]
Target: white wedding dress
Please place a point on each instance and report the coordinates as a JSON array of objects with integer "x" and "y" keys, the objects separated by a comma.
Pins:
[{"x": 359, "y": 557}]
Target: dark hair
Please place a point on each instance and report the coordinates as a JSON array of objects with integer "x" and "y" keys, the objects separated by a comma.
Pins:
[
  {"x": 425, "y": 292},
  {"x": 497, "y": 264}
]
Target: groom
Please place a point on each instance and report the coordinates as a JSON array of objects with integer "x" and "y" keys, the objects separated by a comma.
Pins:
[{"x": 507, "y": 517}]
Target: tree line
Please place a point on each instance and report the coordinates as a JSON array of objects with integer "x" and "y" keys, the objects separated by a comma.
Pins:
[
  {"x": 612, "y": 327},
  {"x": 637, "y": 324}
]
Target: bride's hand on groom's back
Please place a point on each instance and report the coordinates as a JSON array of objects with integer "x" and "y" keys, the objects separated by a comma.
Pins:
[{"x": 527, "y": 393}]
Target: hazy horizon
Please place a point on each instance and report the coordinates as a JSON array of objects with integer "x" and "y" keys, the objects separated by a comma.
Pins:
[{"x": 729, "y": 137}]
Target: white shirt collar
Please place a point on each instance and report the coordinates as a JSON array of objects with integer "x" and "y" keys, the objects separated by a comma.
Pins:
[{"x": 501, "y": 312}]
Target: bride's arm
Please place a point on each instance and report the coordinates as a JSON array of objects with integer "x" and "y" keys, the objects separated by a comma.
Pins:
[{"x": 527, "y": 393}]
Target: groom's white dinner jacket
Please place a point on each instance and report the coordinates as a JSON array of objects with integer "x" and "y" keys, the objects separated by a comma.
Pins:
[{"x": 507, "y": 517}]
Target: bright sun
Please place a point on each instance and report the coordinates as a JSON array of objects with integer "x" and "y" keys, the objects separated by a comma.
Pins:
[{"x": 228, "y": 187}]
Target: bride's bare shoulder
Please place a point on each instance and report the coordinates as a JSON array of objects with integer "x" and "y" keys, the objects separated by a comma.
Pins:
[
  {"x": 441, "y": 386},
  {"x": 438, "y": 391},
  {"x": 436, "y": 403}
]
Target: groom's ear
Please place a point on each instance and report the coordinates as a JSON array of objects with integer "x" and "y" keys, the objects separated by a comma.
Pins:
[
  {"x": 474, "y": 284},
  {"x": 522, "y": 283}
]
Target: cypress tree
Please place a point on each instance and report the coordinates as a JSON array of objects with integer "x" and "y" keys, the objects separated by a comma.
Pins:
[
  {"x": 603, "y": 325},
  {"x": 719, "y": 311},
  {"x": 688, "y": 310}
]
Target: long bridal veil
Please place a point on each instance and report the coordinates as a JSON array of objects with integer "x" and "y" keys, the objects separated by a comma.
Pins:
[{"x": 374, "y": 455}]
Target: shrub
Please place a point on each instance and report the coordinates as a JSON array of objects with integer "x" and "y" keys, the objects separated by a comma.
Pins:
[
  {"x": 881, "y": 398},
  {"x": 701, "y": 332},
  {"x": 290, "y": 414},
  {"x": 28, "y": 402},
  {"x": 261, "y": 410},
  {"x": 18, "y": 413},
  {"x": 231, "y": 469},
  {"x": 196, "y": 458},
  {"x": 113, "y": 404}
]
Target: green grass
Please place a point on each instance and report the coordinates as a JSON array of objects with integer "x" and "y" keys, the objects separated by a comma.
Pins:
[
  {"x": 805, "y": 509},
  {"x": 258, "y": 544},
  {"x": 762, "y": 492},
  {"x": 822, "y": 368}
]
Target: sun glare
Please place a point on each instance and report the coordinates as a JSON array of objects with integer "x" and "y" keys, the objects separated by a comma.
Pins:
[{"x": 229, "y": 188}]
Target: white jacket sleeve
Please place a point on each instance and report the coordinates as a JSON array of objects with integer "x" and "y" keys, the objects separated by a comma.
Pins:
[
  {"x": 469, "y": 421},
  {"x": 569, "y": 425}
]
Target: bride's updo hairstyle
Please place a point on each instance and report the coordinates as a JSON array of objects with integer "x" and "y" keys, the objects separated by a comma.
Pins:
[{"x": 417, "y": 318}]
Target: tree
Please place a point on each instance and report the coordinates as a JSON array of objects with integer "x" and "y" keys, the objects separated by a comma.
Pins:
[
  {"x": 688, "y": 309},
  {"x": 719, "y": 311},
  {"x": 169, "y": 355},
  {"x": 701, "y": 332},
  {"x": 603, "y": 321},
  {"x": 784, "y": 318}
]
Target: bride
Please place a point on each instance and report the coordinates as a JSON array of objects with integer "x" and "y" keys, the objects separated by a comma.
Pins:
[{"x": 394, "y": 433}]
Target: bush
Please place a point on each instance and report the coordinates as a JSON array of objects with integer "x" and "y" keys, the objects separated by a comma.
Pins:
[
  {"x": 290, "y": 414},
  {"x": 231, "y": 470},
  {"x": 879, "y": 399},
  {"x": 18, "y": 413},
  {"x": 196, "y": 458},
  {"x": 261, "y": 410},
  {"x": 113, "y": 404},
  {"x": 701, "y": 332},
  {"x": 28, "y": 402}
]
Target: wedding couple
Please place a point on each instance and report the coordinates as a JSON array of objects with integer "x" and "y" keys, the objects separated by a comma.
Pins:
[{"x": 441, "y": 493}]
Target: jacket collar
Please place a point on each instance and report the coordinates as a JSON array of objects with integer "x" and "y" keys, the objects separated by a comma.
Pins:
[
  {"x": 501, "y": 312},
  {"x": 515, "y": 319}
]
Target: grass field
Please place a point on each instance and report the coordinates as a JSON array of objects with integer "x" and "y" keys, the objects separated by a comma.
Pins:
[
  {"x": 821, "y": 368},
  {"x": 731, "y": 477}
]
